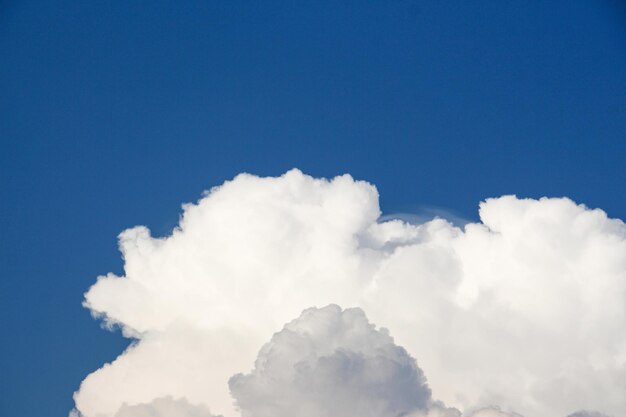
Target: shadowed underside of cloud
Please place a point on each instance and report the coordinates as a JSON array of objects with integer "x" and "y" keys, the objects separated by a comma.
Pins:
[
  {"x": 164, "y": 407},
  {"x": 525, "y": 309},
  {"x": 331, "y": 363},
  {"x": 587, "y": 414}
]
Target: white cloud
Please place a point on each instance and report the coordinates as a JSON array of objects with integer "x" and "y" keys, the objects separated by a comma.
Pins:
[{"x": 526, "y": 309}]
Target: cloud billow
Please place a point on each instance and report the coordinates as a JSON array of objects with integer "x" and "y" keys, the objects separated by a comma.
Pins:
[
  {"x": 331, "y": 363},
  {"x": 525, "y": 309}
]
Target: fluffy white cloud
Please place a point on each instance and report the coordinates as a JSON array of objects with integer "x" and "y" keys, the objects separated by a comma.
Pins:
[{"x": 526, "y": 309}]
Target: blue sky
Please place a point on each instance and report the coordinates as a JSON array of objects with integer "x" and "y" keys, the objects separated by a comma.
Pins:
[{"x": 112, "y": 114}]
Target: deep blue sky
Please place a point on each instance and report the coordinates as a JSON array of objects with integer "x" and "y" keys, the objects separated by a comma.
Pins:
[{"x": 113, "y": 113}]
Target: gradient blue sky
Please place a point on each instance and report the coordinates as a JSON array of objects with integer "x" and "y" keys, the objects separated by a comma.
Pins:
[{"x": 113, "y": 113}]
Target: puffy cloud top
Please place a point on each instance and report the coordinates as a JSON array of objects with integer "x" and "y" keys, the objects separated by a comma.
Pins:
[
  {"x": 525, "y": 309},
  {"x": 331, "y": 363}
]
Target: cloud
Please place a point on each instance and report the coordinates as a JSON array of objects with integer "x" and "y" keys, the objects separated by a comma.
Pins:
[
  {"x": 330, "y": 362},
  {"x": 493, "y": 412},
  {"x": 164, "y": 407},
  {"x": 525, "y": 309},
  {"x": 587, "y": 414}
]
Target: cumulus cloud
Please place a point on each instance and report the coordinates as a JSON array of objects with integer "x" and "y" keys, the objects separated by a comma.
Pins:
[
  {"x": 525, "y": 309},
  {"x": 330, "y": 363}
]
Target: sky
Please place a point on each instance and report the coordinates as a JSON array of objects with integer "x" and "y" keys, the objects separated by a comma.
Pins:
[{"x": 113, "y": 114}]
